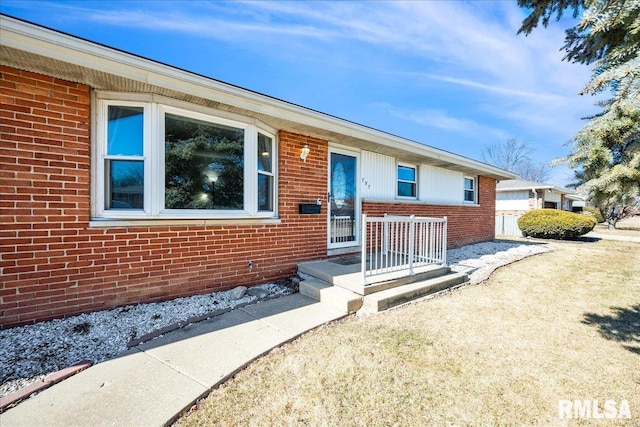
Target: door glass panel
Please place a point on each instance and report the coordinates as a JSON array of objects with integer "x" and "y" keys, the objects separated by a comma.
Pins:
[{"x": 343, "y": 198}]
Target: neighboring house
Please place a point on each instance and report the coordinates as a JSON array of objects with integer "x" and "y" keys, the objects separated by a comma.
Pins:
[
  {"x": 515, "y": 197},
  {"x": 576, "y": 202},
  {"x": 124, "y": 180}
]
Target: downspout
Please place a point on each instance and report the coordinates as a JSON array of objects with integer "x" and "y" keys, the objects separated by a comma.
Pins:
[{"x": 535, "y": 196}]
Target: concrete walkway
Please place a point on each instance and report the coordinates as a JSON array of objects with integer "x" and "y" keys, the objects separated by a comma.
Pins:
[
  {"x": 617, "y": 237},
  {"x": 153, "y": 383}
]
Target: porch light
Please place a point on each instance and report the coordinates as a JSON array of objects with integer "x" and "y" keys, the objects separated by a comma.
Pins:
[{"x": 304, "y": 152}]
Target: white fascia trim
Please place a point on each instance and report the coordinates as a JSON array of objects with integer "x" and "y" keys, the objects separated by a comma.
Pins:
[
  {"x": 561, "y": 190},
  {"x": 541, "y": 187},
  {"x": 42, "y": 41},
  {"x": 572, "y": 196}
]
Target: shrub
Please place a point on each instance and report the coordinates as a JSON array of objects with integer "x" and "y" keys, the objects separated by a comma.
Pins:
[
  {"x": 594, "y": 212},
  {"x": 555, "y": 224}
]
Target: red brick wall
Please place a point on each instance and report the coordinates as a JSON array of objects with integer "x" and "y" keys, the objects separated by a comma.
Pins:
[
  {"x": 52, "y": 264},
  {"x": 465, "y": 224}
]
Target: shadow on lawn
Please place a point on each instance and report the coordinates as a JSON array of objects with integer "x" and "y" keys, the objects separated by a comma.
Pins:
[{"x": 621, "y": 325}]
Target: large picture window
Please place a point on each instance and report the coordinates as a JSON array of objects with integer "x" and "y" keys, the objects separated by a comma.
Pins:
[
  {"x": 203, "y": 165},
  {"x": 164, "y": 162}
]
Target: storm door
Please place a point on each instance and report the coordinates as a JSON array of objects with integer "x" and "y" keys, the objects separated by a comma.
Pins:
[{"x": 344, "y": 204}]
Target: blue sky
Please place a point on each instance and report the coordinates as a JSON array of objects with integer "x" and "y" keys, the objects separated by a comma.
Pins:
[{"x": 450, "y": 74}]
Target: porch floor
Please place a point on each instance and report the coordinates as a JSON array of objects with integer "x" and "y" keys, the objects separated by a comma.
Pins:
[
  {"x": 345, "y": 272},
  {"x": 338, "y": 282}
]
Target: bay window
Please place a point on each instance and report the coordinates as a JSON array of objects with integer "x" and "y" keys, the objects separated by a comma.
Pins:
[{"x": 158, "y": 161}]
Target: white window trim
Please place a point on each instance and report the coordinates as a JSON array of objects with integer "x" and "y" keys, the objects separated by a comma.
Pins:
[
  {"x": 154, "y": 163},
  {"x": 274, "y": 168},
  {"x": 415, "y": 182},
  {"x": 474, "y": 179}
]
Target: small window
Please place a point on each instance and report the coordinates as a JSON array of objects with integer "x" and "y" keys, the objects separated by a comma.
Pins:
[
  {"x": 406, "y": 181},
  {"x": 469, "y": 190}
]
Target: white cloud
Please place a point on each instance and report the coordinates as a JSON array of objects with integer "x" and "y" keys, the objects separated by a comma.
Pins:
[
  {"x": 472, "y": 44},
  {"x": 440, "y": 119},
  {"x": 495, "y": 89},
  {"x": 465, "y": 53}
]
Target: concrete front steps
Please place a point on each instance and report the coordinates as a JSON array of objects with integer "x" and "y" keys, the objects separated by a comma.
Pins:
[
  {"x": 331, "y": 287},
  {"x": 335, "y": 296},
  {"x": 388, "y": 298}
]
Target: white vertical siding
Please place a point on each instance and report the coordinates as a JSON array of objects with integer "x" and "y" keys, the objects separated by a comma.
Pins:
[
  {"x": 438, "y": 185},
  {"x": 435, "y": 185},
  {"x": 508, "y": 225},
  {"x": 378, "y": 176},
  {"x": 551, "y": 196},
  {"x": 512, "y": 200}
]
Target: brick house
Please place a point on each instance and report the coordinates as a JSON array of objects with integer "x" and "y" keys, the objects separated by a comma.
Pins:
[{"x": 124, "y": 180}]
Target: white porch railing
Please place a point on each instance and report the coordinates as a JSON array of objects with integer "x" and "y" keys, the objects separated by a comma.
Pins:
[{"x": 401, "y": 244}]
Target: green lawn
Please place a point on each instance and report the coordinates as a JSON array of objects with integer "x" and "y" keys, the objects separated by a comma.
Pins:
[{"x": 562, "y": 325}]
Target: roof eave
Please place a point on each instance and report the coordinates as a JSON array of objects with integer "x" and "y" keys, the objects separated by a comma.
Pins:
[
  {"x": 42, "y": 41},
  {"x": 536, "y": 187}
]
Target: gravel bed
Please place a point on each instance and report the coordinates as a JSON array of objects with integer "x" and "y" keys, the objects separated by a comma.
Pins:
[
  {"x": 480, "y": 260},
  {"x": 29, "y": 353}
]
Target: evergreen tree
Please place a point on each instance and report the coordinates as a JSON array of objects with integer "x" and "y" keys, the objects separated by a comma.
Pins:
[{"x": 607, "y": 149}]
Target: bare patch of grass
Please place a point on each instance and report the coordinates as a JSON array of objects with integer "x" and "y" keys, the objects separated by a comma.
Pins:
[
  {"x": 502, "y": 353},
  {"x": 630, "y": 223},
  {"x": 621, "y": 230}
]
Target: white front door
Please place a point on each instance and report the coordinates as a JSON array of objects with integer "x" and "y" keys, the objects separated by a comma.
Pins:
[{"x": 344, "y": 205}]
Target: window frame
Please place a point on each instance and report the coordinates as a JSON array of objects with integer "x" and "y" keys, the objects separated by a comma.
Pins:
[
  {"x": 153, "y": 158},
  {"x": 414, "y": 182},
  {"x": 474, "y": 190}
]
